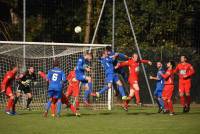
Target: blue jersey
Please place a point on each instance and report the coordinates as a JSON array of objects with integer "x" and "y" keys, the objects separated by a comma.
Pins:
[
  {"x": 80, "y": 66},
  {"x": 107, "y": 64},
  {"x": 56, "y": 78},
  {"x": 160, "y": 81}
]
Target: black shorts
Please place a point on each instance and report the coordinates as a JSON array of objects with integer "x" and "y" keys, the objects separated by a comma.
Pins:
[{"x": 22, "y": 88}]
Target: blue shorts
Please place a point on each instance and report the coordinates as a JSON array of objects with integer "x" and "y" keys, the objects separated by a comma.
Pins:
[
  {"x": 81, "y": 78},
  {"x": 112, "y": 78},
  {"x": 55, "y": 94}
]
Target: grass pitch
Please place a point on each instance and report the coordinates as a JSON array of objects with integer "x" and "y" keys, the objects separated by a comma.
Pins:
[{"x": 143, "y": 120}]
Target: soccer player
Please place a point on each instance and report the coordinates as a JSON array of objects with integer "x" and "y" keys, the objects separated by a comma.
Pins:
[
  {"x": 24, "y": 81},
  {"x": 159, "y": 87},
  {"x": 56, "y": 78},
  {"x": 118, "y": 71},
  {"x": 185, "y": 72},
  {"x": 73, "y": 91},
  {"x": 7, "y": 88},
  {"x": 86, "y": 81},
  {"x": 133, "y": 64},
  {"x": 168, "y": 87},
  {"x": 111, "y": 76}
]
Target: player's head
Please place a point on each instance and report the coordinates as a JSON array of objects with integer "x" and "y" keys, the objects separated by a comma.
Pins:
[
  {"x": 15, "y": 69},
  {"x": 170, "y": 64},
  {"x": 183, "y": 58},
  {"x": 108, "y": 49},
  {"x": 88, "y": 56},
  {"x": 159, "y": 64},
  {"x": 31, "y": 69},
  {"x": 55, "y": 63},
  {"x": 104, "y": 54},
  {"x": 135, "y": 56}
]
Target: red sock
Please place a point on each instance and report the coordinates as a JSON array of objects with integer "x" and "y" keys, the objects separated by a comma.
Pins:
[
  {"x": 188, "y": 100},
  {"x": 73, "y": 109},
  {"x": 53, "y": 108},
  {"x": 137, "y": 96},
  {"x": 9, "y": 104},
  {"x": 166, "y": 105},
  {"x": 77, "y": 104},
  {"x": 170, "y": 105},
  {"x": 182, "y": 100}
]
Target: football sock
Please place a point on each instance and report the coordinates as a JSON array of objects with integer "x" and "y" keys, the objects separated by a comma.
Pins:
[
  {"x": 103, "y": 89},
  {"x": 166, "y": 105},
  {"x": 48, "y": 105},
  {"x": 137, "y": 96},
  {"x": 182, "y": 101},
  {"x": 90, "y": 87},
  {"x": 72, "y": 108},
  {"x": 188, "y": 100},
  {"x": 28, "y": 102},
  {"x": 161, "y": 102},
  {"x": 157, "y": 101},
  {"x": 59, "y": 107},
  {"x": 171, "y": 109},
  {"x": 86, "y": 94},
  {"x": 9, "y": 104},
  {"x": 121, "y": 91}
]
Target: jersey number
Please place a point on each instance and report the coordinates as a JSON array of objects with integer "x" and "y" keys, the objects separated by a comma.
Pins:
[{"x": 55, "y": 77}]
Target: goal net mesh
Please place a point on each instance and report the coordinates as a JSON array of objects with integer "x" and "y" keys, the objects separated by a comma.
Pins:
[{"x": 41, "y": 57}]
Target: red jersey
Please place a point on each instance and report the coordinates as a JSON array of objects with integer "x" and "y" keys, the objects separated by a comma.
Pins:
[
  {"x": 71, "y": 77},
  {"x": 133, "y": 68},
  {"x": 185, "y": 71},
  {"x": 7, "y": 79},
  {"x": 169, "y": 77}
]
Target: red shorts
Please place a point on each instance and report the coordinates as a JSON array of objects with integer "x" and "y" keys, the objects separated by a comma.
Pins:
[
  {"x": 167, "y": 92},
  {"x": 132, "y": 83},
  {"x": 72, "y": 90},
  {"x": 184, "y": 86},
  {"x": 8, "y": 90}
]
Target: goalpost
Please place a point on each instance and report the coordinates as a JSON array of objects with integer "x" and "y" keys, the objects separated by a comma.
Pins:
[{"x": 40, "y": 55}]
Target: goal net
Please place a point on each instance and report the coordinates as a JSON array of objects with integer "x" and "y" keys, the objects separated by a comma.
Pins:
[{"x": 41, "y": 55}]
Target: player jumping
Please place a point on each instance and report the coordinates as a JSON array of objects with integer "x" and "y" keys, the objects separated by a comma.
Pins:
[
  {"x": 7, "y": 88},
  {"x": 168, "y": 88},
  {"x": 56, "y": 77},
  {"x": 111, "y": 76},
  {"x": 24, "y": 81},
  {"x": 159, "y": 87},
  {"x": 133, "y": 64},
  {"x": 86, "y": 81},
  {"x": 185, "y": 72}
]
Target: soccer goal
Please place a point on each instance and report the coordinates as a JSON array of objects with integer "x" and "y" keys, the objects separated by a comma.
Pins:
[{"x": 41, "y": 55}]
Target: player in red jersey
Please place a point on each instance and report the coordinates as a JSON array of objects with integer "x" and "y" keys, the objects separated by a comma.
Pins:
[
  {"x": 168, "y": 87},
  {"x": 7, "y": 88},
  {"x": 133, "y": 64},
  {"x": 185, "y": 72},
  {"x": 73, "y": 89}
]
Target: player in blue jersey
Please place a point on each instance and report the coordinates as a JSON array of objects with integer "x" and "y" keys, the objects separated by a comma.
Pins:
[
  {"x": 118, "y": 71},
  {"x": 111, "y": 76},
  {"x": 159, "y": 87},
  {"x": 56, "y": 78},
  {"x": 119, "y": 56},
  {"x": 82, "y": 66}
]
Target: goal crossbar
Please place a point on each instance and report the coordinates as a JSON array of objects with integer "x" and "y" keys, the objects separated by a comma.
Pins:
[{"x": 53, "y": 44}]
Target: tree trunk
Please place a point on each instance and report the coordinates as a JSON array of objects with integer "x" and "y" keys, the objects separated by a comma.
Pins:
[{"x": 88, "y": 22}]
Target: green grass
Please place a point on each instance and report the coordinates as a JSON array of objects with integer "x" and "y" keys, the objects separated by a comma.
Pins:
[{"x": 136, "y": 121}]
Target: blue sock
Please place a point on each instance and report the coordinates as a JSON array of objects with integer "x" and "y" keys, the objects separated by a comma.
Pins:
[
  {"x": 103, "y": 89},
  {"x": 86, "y": 94},
  {"x": 121, "y": 91},
  {"x": 161, "y": 102},
  {"x": 48, "y": 105},
  {"x": 90, "y": 87},
  {"x": 59, "y": 107}
]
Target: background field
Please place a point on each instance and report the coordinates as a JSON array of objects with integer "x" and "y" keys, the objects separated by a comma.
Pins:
[{"x": 136, "y": 120}]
